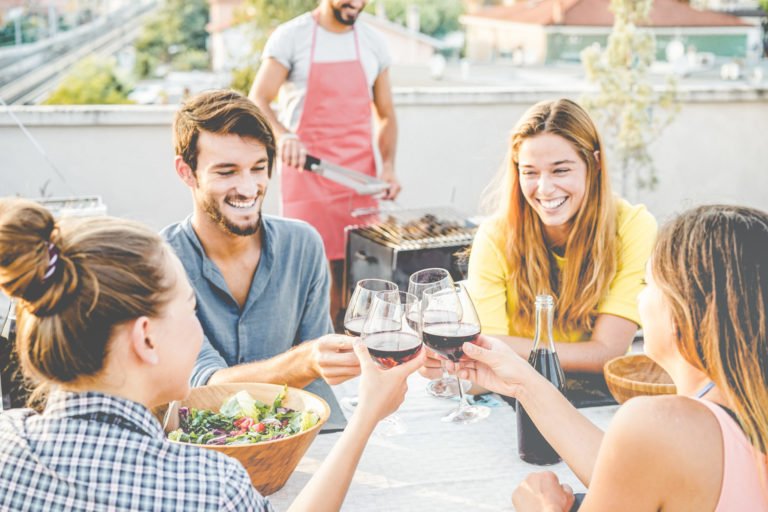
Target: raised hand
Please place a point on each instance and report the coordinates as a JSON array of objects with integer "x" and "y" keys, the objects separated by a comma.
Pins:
[
  {"x": 492, "y": 364},
  {"x": 333, "y": 358},
  {"x": 382, "y": 391},
  {"x": 542, "y": 492}
]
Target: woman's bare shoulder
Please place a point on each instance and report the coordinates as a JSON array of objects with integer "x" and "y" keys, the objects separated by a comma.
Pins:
[
  {"x": 674, "y": 446},
  {"x": 666, "y": 418}
]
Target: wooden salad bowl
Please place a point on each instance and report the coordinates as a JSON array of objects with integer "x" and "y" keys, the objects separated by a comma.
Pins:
[
  {"x": 269, "y": 463},
  {"x": 636, "y": 374}
]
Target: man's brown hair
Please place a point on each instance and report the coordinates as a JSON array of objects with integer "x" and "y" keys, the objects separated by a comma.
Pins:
[{"x": 222, "y": 112}]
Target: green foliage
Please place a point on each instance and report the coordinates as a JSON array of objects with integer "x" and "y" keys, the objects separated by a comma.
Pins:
[
  {"x": 438, "y": 17},
  {"x": 178, "y": 28},
  {"x": 191, "y": 60},
  {"x": 631, "y": 113},
  {"x": 242, "y": 78},
  {"x": 265, "y": 15},
  {"x": 92, "y": 81}
]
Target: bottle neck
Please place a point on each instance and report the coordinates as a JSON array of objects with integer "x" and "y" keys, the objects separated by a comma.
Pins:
[{"x": 543, "y": 338}]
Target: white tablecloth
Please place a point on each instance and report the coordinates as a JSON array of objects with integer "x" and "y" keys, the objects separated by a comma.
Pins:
[{"x": 434, "y": 465}]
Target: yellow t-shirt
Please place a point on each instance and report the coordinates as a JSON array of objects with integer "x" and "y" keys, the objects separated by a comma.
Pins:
[{"x": 494, "y": 300}]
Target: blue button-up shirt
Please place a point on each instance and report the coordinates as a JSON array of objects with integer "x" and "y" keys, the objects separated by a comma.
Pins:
[
  {"x": 90, "y": 451},
  {"x": 288, "y": 302}
]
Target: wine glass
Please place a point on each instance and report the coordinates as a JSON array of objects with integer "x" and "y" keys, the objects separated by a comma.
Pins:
[
  {"x": 392, "y": 334},
  {"x": 438, "y": 278},
  {"x": 448, "y": 320},
  {"x": 357, "y": 311}
]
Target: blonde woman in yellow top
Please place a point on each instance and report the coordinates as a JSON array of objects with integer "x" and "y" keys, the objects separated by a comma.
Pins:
[{"x": 558, "y": 229}]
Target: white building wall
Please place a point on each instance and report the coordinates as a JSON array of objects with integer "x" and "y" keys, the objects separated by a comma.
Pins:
[{"x": 451, "y": 144}]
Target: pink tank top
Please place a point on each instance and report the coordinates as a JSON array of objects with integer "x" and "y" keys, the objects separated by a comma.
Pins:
[{"x": 742, "y": 488}]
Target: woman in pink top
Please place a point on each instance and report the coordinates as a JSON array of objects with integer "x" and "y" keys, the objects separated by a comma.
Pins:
[{"x": 705, "y": 317}]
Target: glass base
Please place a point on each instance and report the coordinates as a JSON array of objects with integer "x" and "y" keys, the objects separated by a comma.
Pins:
[
  {"x": 349, "y": 403},
  {"x": 446, "y": 387},
  {"x": 390, "y": 426},
  {"x": 468, "y": 414}
]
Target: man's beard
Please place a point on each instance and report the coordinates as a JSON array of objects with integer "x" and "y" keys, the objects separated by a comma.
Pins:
[
  {"x": 340, "y": 18},
  {"x": 214, "y": 213}
]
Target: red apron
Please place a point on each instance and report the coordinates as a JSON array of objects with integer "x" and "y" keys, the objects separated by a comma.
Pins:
[{"x": 335, "y": 125}]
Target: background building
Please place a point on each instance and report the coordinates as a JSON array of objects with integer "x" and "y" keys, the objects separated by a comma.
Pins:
[{"x": 549, "y": 31}]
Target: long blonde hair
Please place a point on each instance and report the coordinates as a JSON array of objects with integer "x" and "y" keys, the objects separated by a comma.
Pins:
[
  {"x": 710, "y": 264},
  {"x": 590, "y": 250}
]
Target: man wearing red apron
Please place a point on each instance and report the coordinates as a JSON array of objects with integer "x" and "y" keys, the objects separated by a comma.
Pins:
[{"x": 331, "y": 72}]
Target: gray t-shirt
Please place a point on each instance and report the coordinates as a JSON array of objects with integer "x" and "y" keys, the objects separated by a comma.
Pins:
[{"x": 291, "y": 43}]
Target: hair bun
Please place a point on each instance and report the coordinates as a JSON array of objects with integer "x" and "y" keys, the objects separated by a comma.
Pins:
[{"x": 28, "y": 243}]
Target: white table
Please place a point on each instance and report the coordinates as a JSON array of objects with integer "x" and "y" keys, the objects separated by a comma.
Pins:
[{"x": 434, "y": 465}]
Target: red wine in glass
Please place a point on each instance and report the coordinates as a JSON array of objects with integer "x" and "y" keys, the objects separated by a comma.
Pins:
[
  {"x": 390, "y": 349},
  {"x": 449, "y": 320},
  {"x": 354, "y": 327},
  {"x": 447, "y": 338},
  {"x": 357, "y": 311}
]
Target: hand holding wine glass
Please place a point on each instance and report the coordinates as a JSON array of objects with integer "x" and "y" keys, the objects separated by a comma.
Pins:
[
  {"x": 435, "y": 278},
  {"x": 492, "y": 364},
  {"x": 382, "y": 391},
  {"x": 449, "y": 320},
  {"x": 391, "y": 335},
  {"x": 357, "y": 311}
]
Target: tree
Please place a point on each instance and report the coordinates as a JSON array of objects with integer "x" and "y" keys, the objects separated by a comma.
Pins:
[
  {"x": 438, "y": 17},
  {"x": 177, "y": 29},
  {"x": 92, "y": 81},
  {"x": 242, "y": 79},
  {"x": 631, "y": 112},
  {"x": 265, "y": 15}
]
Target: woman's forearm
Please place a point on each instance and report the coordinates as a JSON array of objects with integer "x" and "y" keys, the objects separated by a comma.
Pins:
[
  {"x": 328, "y": 487},
  {"x": 584, "y": 356},
  {"x": 573, "y": 436}
]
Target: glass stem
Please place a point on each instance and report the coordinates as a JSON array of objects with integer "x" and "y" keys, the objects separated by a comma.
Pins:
[
  {"x": 463, "y": 403},
  {"x": 446, "y": 375}
]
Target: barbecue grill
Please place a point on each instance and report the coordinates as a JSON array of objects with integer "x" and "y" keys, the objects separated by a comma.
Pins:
[{"x": 398, "y": 243}]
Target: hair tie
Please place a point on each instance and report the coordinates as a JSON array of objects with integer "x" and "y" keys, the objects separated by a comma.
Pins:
[{"x": 53, "y": 258}]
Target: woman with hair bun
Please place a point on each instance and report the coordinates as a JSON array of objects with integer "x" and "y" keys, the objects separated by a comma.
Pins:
[{"x": 106, "y": 320}]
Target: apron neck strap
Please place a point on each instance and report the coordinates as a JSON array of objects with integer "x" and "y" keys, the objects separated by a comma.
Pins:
[{"x": 316, "y": 18}]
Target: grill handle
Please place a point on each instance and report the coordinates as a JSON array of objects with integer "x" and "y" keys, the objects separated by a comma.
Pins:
[{"x": 361, "y": 256}]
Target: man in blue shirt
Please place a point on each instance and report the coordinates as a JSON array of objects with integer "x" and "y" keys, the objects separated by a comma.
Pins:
[{"x": 262, "y": 282}]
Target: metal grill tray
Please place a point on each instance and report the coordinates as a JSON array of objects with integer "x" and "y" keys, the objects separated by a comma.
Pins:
[{"x": 397, "y": 228}]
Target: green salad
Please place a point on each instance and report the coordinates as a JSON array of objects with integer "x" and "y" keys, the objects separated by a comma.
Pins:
[{"x": 242, "y": 420}]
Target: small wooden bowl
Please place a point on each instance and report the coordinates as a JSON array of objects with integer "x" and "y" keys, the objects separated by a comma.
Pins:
[
  {"x": 636, "y": 374},
  {"x": 269, "y": 463}
]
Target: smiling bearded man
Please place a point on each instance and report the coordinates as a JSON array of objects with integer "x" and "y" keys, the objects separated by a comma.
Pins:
[{"x": 261, "y": 281}]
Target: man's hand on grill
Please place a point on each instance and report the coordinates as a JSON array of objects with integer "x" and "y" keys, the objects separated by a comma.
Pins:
[
  {"x": 432, "y": 368},
  {"x": 333, "y": 358},
  {"x": 388, "y": 175}
]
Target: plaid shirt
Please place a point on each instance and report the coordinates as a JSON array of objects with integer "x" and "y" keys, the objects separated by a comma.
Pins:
[{"x": 90, "y": 451}]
